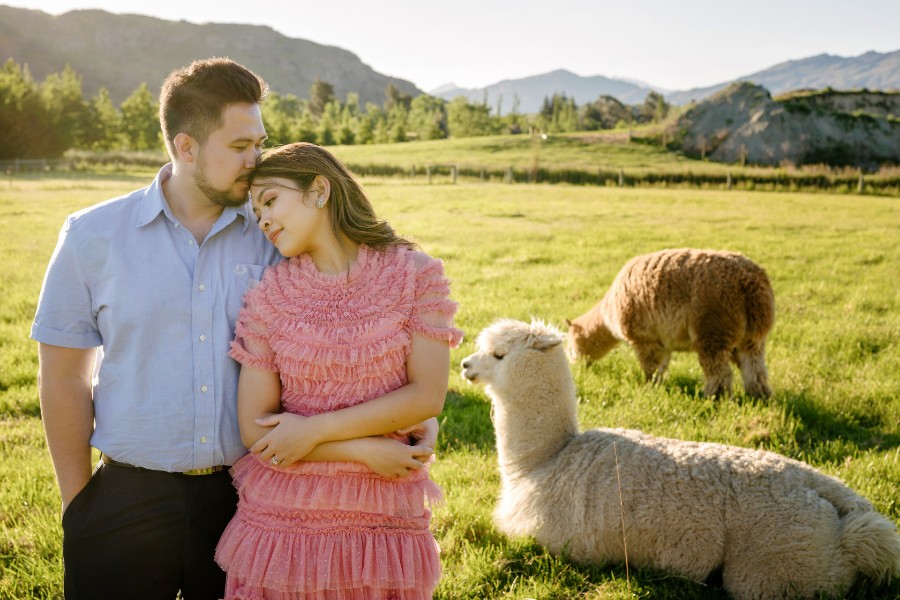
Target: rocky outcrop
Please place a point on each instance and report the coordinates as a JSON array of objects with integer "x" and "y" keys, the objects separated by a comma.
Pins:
[{"x": 744, "y": 123}]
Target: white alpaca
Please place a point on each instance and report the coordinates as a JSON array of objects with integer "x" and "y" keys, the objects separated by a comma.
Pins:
[{"x": 774, "y": 527}]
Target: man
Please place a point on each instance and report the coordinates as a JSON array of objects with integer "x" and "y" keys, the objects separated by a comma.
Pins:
[{"x": 155, "y": 279}]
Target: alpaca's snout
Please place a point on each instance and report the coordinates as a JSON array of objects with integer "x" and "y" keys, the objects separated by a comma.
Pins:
[{"x": 468, "y": 370}]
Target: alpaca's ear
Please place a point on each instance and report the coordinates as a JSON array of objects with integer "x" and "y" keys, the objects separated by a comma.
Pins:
[
  {"x": 568, "y": 322},
  {"x": 545, "y": 342}
]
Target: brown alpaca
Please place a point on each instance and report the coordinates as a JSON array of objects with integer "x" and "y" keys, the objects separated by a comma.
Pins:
[{"x": 717, "y": 304}]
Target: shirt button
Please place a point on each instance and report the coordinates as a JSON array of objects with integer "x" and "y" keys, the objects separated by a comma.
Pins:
[
  {"x": 202, "y": 338},
  {"x": 177, "y": 225},
  {"x": 201, "y": 287},
  {"x": 203, "y": 388},
  {"x": 190, "y": 242},
  {"x": 203, "y": 440}
]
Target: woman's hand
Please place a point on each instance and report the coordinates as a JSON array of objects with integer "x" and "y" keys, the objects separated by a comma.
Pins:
[
  {"x": 392, "y": 459},
  {"x": 291, "y": 438}
]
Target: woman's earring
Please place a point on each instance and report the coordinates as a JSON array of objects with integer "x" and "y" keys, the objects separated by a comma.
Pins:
[{"x": 320, "y": 202}]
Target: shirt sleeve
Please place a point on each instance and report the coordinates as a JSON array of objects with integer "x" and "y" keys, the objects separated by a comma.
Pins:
[
  {"x": 65, "y": 314},
  {"x": 251, "y": 345},
  {"x": 433, "y": 310}
]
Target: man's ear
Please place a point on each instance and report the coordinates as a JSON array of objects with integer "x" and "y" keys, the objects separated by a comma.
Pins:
[
  {"x": 186, "y": 148},
  {"x": 322, "y": 187}
]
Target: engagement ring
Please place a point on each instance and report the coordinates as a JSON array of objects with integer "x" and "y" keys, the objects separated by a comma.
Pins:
[{"x": 275, "y": 461}]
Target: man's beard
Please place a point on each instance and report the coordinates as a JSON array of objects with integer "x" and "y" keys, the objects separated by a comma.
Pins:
[{"x": 225, "y": 198}]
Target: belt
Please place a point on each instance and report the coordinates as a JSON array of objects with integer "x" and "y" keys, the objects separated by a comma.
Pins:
[{"x": 207, "y": 471}]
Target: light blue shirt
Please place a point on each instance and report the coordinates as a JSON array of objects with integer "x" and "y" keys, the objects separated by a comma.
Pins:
[{"x": 126, "y": 276}]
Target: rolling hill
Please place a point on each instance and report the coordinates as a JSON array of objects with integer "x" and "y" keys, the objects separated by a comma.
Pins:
[{"x": 122, "y": 51}]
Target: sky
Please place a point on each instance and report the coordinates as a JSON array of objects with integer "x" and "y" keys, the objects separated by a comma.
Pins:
[{"x": 670, "y": 44}]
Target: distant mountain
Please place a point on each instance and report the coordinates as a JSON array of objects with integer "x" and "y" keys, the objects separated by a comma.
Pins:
[
  {"x": 122, "y": 51},
  {"x": 872, "y": 70},
  {"x": 531, "y": 91}
]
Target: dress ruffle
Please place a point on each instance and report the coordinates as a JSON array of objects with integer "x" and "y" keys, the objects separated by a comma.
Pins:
[
  {"x": 343, "y": 486},
  {"x": 259, "y": 551}
]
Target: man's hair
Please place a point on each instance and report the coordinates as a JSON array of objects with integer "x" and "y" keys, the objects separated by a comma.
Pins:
[{"x": 194, "y": 97}]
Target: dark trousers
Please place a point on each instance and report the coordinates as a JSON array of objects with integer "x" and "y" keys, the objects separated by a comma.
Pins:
[{"x": 144, "y": 535}]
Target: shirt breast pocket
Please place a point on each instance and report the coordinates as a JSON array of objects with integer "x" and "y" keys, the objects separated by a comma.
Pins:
[{"x": 242, "y": 279}]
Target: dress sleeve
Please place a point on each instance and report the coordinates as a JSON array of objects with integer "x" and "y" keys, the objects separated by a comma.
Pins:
[
  {"x": 251, "y": 346},
  {"x": 433, "y": 310}
]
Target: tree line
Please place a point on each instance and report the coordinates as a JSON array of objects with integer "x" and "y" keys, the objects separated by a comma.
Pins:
[{"x": 44, "y": 119}]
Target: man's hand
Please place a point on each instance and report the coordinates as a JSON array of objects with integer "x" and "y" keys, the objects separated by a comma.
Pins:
[
  {"x": 393, "y": 459},
  {"x": 423, "y": 434}
]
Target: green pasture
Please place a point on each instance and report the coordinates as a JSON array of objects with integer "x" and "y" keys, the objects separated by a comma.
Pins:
[
  {"x": 549, "y": 252},
  {"x": 557, "y": 151}
]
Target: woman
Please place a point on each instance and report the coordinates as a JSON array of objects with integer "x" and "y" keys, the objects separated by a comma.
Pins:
[{"x": 349, "y": 338}]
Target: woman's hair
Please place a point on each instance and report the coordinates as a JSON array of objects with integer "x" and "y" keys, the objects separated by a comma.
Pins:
[
  {"x": 194, "y": 97},
  {"x": 350, "y": 209}
]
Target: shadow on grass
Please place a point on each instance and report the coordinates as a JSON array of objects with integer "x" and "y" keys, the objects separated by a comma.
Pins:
[
  {"x": 466, "y": 422},
  {"x": 523, "y": 560},
  {"x": 682, "y": 383},
  {"x": 527, "y": 560},
  {"x": 865, "y": 430}
]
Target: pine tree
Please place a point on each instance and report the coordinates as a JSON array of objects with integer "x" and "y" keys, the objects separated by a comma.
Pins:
[
  {"x": 320, "y": 94},
  {"x": 103, "y": 124},
  {"x": 140, "y": 120}
]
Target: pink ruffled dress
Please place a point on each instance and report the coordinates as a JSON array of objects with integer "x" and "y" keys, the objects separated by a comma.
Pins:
[{"x": 336, "y": 530}]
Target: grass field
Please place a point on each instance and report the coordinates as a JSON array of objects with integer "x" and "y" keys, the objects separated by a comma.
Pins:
[{"x": 544, "y": 251}]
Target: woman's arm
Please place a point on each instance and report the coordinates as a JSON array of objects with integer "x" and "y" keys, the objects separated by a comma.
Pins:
[
  {"x": 259, "y": 395},
  {"x": 384, "y": 455},
  {"x": 292, "y": 437}
]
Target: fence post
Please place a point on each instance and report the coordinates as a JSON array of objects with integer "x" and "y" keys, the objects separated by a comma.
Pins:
[
  {"x": 482, "y": 173},
  {"x": 412, "y": 172},
  {"x": 428, "y": 173},
  {"x": 861, "y": 184},
  {"x": 454, "y": 172},
  {"x": 509, "y": 175},
  {"x": 621, "y": 178},
  {"x": 728, "y": 181}
]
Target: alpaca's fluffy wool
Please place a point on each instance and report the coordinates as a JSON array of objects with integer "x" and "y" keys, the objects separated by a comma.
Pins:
[
  {"x": 774, "y": 527},
  {"x": 717, "y": 304}
]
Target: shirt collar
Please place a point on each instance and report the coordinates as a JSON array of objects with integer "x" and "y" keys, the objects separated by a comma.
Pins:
[{"x": 154, "y": 203}]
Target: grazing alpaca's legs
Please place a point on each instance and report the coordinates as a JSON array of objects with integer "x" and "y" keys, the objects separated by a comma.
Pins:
[
  {"x": 654, "y": 360},
  {"x": 752, "y": 362},
  {"x": 716, "y": 371}
]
